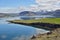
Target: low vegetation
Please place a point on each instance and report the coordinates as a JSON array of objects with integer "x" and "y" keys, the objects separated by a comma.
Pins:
[
  {"x": 55, "y": 35},
  {"x": 43, "y": 20},
  {"x": 44, "y": 23}
]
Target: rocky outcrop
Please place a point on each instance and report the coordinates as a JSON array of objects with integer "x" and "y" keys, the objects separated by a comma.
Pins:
[{"x": 54, "y": 35}]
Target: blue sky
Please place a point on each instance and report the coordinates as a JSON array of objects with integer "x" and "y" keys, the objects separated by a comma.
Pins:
[
  {"x": 16, "y": 3},
  {"x": 14, "y": 6}
]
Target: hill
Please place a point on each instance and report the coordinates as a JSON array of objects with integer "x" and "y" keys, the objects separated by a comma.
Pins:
[
  {"x": 2, "y": 15},
  {"x": 27, "y": 13},
  {"x": 55, "y": 13}
]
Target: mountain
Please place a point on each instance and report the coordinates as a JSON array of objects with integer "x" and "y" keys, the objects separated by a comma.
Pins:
[
  {"x": 44, "y": 12},
  {"x": 8, "y": 15},
  {"x": 56, "y": 13},
  {"x": 27, "y": 13},
  {"x": 2, "y": 15}
]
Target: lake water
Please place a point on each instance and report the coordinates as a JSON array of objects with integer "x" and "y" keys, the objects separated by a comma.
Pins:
[{"x": 10, "y": 31}]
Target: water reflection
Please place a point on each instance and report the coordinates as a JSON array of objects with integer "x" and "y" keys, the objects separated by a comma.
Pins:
[{"x": 16, "y": 31}]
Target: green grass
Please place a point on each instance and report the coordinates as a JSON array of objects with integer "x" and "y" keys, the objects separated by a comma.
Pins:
[
  {"x": 55, "y": 35},
  {"x": 43, "y": 20}
]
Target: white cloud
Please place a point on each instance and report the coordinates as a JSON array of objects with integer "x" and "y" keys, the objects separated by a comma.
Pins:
[
  {"x": 40, "y": 5},
  {"x": 34, "y": 7},
  {"x": 48, "y": 4},
  {"x": 14, "y": 10}
]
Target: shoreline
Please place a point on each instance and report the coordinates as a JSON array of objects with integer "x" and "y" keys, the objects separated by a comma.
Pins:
[
  {"x": 46, "y": 26},
  {"x": 53, "y": 25}
]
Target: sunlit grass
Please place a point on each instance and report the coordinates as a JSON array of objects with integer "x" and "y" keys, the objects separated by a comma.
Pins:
[
  {"x": 55, "y": 35},
  {"x": 43, "y": 20}
]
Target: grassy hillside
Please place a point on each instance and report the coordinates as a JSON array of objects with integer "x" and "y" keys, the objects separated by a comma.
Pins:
[{"x": 43, "y": 20}]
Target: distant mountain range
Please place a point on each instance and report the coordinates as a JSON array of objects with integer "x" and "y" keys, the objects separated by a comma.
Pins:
[
  {"x": 8, "y": 15},
  {"x": 47, "y": 12},
  {"x": 55, "y": 13}
]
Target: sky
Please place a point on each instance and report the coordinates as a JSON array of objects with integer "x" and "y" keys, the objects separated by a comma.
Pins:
[
  {"x": 16, "y": 6},
  {"x": 15, "y": 3}
]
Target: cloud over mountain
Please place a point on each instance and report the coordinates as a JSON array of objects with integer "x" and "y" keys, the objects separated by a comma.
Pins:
[{"x": 40, "y": 5}]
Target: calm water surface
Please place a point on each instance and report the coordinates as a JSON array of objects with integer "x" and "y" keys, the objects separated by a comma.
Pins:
[{"x": 16, "y": 31}]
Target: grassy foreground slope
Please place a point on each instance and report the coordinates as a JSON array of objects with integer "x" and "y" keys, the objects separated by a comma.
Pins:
[
  {"x": 43, "y": 20},
  {"x": 55, "y": 35}
]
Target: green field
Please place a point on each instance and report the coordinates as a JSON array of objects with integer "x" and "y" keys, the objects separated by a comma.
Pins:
[
  {"x": 55, "y": 35},
  {"x": 43, "y": 20}
]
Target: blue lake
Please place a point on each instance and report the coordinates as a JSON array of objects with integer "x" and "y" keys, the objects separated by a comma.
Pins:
[{"x": 16, "y": 31}]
